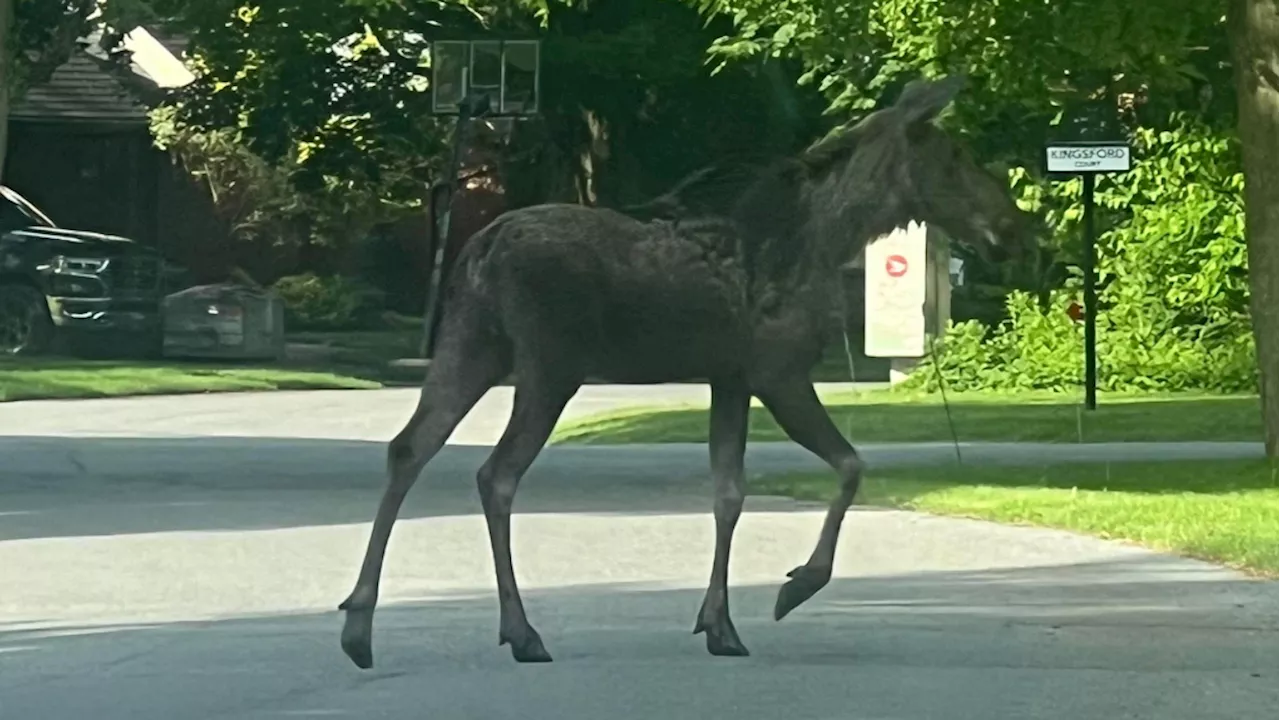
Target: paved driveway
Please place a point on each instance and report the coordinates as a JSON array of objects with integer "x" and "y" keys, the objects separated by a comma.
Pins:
[{"x": 181, "y": 558}]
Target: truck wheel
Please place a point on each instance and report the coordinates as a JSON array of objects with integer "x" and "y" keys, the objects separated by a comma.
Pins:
[{"x": 25, "y": 327}]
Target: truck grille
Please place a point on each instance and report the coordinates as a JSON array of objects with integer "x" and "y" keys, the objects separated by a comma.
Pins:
[{"x": 133, "y": 274}]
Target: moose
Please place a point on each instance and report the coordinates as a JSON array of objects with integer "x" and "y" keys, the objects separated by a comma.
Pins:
[{"x": 728, "y": 287}]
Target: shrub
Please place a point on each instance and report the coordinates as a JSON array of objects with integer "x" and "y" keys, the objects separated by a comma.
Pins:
[
  {"x": 314, "y": 302},
  {"x": 1044, "y": 350}
]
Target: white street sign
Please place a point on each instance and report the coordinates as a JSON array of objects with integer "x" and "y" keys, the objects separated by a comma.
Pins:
[
  {"x": 895, "y": 272},
  {"x": 1086, "y": 158}
]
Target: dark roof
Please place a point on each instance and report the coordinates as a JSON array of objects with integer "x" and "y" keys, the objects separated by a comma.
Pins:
[
  {"x": 84, "y": 90},
  {"x": 80, "y": 90}
]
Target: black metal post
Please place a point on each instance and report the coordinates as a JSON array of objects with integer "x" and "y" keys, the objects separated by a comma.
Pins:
[
  {"x": 1090, "y": 301},
  {"x": 431, "y": 317},
  {"x": 433, "y": 243}
]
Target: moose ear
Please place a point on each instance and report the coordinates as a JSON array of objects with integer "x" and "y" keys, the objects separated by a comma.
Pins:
[{"x": 922, "y": 100}]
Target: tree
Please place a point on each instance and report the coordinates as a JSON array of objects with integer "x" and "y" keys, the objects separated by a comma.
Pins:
[
  {"x": 342, "y": 98},
  {"x": 255, "y": 200},
  {"x": 1253, "y": 33},
  {"x": 1037, "y": 70},
  {"x": 629, "y": 98},
  {"x": 338, "y": 99},
  {"x": 1156, "y": 72}
]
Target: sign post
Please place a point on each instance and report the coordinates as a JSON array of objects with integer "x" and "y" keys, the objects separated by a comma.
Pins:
[{"x": 1088, "y": 160}]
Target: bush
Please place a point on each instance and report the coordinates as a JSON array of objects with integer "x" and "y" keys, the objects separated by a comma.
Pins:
[
  {"x": 1173, "y": 297},
  {"x": 1037, "y": 349},
  {"x": 314, "y": 302}
]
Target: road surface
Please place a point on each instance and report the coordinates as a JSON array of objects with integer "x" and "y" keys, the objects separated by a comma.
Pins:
[{"x": 172, "y": 558}]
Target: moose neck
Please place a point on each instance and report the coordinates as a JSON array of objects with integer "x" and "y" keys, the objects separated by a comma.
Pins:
[
  {"x": 857, "y": 198},
  {"x": 800, "y": 227}
]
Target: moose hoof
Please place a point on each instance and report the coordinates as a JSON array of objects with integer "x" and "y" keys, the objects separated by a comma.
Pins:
[
  {"x": 722, "y": 638},
  {"x": 526, "y": 646},
  {"x": 804, "y": 582},
  {"x": 357, "y": 640}
]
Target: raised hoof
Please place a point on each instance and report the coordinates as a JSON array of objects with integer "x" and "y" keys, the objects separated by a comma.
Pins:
[
  {"x": 527, "y": 647},
  {"x": 357, "y": 641},
  {"x": 804, "y": 582}
]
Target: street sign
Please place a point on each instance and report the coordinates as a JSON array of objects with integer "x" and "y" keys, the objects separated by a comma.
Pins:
[
  {"x": 1087, "y": 157},
  {"x": 895, "y": 293}
]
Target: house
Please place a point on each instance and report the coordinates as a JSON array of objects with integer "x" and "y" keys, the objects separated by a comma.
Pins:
[{"x": 79, "y": 148}]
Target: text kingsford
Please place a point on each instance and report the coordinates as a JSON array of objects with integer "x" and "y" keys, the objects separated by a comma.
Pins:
[{"x": 1087, "y": 153}]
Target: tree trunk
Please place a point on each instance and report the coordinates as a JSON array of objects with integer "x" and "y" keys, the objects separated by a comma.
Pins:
[
  {"x": 6, "y": 76},
  {"x": 1252, "y": 26}
]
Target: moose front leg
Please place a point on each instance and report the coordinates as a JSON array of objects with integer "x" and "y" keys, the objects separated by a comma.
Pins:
[
  {"x": 730, "y": 403},
  {"x": 539, "y": 400},
  {"x": 799, "y": 412}
]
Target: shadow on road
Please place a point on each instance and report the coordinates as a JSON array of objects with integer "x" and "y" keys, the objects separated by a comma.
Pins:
[
  {"x": 83, "y": 486},
  {"x": 54, "y": 487},
  {"x": 1146, "y": 637}
]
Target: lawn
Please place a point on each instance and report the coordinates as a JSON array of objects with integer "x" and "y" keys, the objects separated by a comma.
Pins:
[
  {"x": 892, "y": 416},
  {"x": 316, "y": 361},
  {"x": 1221, "y": 511},
  {"x": 50, "y": 378}
]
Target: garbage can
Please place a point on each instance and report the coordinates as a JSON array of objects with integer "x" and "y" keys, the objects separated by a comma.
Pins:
[{"x": 225, "y": 321}]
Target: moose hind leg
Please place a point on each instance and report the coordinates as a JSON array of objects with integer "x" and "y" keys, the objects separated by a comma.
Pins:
[
  {"x": 728, "y": 443},
  {"x": 801, "y": 415},
  {"x": 536, "y": 408},
  {"x": 455, "y": 382}
]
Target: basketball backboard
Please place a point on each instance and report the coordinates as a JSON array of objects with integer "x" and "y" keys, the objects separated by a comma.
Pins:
[{"x": 508, "y": 72}]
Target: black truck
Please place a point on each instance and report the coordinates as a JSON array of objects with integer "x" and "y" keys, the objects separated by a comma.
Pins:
[{"x": 55, "y": 281}]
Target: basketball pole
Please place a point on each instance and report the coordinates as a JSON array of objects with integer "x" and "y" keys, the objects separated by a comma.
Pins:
[{"x": 471, "y": 106}]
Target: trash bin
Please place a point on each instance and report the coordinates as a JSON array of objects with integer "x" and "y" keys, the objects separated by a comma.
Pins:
[{"x": 226, "y": 321}]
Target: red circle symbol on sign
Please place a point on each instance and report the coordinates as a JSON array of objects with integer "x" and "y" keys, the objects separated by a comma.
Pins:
[{"x": 895, "y": 265}]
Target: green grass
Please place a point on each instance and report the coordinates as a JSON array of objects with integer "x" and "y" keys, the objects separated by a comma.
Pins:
[
  {"x": 1221, "y": 511},
  {"x": 49, "y": 378},
  {"x": 338, "y": 360},
  {"x": 884, "y": 416}
]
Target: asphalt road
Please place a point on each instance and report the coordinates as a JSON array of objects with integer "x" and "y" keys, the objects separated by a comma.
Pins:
[{"x": 172, "y": 558}]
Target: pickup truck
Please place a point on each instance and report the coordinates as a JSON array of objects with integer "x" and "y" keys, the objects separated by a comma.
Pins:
[{"x": 56, "y": 281}]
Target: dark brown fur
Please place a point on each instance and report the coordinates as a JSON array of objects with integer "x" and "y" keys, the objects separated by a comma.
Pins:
[{"x": 728, "y": 278}]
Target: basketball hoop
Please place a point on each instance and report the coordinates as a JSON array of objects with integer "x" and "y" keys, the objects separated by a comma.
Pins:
[
  {"x": 506, "y": 73},
  {"x": 495, "y": 80}
]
